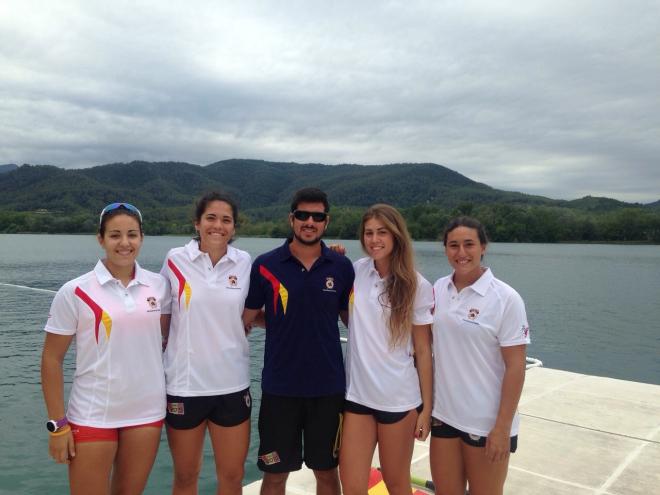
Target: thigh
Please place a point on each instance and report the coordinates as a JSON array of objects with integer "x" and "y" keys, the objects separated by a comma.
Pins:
[
  {"x": 186, "y": 448},
  {"x": 136, "y": 453},
  {"x": 395, "y": 448},
  {"x": 358, "y": 441},
  {"x": 280, "y": 433},
  {"x": 230, "y": 446},
  {"x": 89, "y": 470},
  {"x": 322, "y": 432},
  {"x": 447, "y": 467},
  {"x": 484, "y": 476}
]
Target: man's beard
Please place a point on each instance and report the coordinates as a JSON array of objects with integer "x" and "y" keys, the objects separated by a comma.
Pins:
[{"x": 309, "y": 242}]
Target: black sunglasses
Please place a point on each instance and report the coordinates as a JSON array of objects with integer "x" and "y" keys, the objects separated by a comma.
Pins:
[{"x": 317, "y": 216}]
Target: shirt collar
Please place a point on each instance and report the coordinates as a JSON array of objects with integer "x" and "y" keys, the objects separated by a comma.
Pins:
[
  {"x": 481, "y": 285},
  {"x": 192, "y": 248},
  {"x": 104, "y": 276}
]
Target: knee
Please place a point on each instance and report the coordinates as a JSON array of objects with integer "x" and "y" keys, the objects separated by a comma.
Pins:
[
  {"x": 186, "y": 478},
  {"x": 231, "y": 475},
  {"x": 275, "y": 480}
]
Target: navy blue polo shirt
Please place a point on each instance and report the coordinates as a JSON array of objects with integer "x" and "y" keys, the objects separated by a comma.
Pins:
[{"x": 303, "y": 356}]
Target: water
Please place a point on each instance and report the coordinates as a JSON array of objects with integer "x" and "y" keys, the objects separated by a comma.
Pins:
[{"x": 592, "y": 309}]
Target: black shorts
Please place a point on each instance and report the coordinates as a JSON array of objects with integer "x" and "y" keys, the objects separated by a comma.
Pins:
[
  {"x": 184, "y": 413},
  {"x": 443, "y": 430},
  {"x": 382, "y": 417},
  {"x": 288, "y": 423}
]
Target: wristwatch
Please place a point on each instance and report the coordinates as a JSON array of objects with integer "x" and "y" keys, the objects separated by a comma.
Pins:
[{"x": 55, "y": 425}]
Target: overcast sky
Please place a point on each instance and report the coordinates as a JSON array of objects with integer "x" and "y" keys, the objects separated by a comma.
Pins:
[{"x": 558, "y": 98}]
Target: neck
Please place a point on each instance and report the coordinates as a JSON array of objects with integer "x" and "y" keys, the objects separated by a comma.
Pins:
[
  {"x": 307, "y": 254},
  {"x": 121, "y": 273},
  {"x": 463, "y": 281},
  {"x": 383, "y": 267},
  {"x": 215, "y": 254}
]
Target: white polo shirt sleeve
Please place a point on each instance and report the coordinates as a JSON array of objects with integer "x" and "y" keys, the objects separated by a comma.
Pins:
[
  {"x": 514, "y": 329},
  {"x": 424, "y": 302},
  {"x": 63, "y": 315}
]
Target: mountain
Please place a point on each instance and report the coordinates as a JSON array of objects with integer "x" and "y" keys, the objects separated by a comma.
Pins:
[
  {"x": 7, "y": 168},
  {"x": 44, "y": 198},
  {"x": 256, "y": 184}
]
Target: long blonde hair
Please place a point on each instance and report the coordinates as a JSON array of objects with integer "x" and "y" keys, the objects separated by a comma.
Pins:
[{"x": 401, "y": 285}]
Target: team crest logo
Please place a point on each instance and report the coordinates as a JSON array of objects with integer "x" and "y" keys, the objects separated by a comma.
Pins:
[
  {"x": 233, "y": 280},
  {"x": 247, "y": 399},
  {"x": 270, "y": 458},
  {"x": 473, "y": 313},
  {"x": 175, "y": 408},
  {"x": 329, "y": 283},
  {"x": 152, "y": 302}
]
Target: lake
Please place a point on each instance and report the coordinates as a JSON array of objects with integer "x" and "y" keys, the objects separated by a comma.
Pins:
[{"x": 592, "y": 309}]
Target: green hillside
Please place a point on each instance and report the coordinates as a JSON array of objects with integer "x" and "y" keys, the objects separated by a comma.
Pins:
[{"x": 49, "y": 199}]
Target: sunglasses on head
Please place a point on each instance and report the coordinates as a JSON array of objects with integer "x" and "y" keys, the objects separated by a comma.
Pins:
[
  {"x": 302, "y": 215},
  {"x": 116, "y": 206}
]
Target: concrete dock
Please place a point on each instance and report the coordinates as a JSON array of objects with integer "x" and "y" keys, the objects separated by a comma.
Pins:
[{"x": 579, "y": 435}]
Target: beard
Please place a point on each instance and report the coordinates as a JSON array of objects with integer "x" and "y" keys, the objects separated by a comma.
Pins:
[{"x": 309, "y": 242}]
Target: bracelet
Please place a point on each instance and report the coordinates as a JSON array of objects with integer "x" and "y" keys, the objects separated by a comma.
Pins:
[{"x": 66, "y": 429}]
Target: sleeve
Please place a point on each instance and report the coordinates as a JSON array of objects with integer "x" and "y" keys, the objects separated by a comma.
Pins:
[
  {"x": 166, "y": 297},
  {"x": 255, "y": 298},
  {"x": 423, "y": 304},
  {"x": 514, "y": 329},
  {"x": 165, "y": 273},
  {"x": 350, "y": 279},
  {"x": 63, "y": 316}
]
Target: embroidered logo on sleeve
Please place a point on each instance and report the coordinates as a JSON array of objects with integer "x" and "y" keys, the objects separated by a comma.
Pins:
[
  {"x": 270, "y": 458},
  {"x": 175, "y": 408},
  {"x": 525, "y": 331}
]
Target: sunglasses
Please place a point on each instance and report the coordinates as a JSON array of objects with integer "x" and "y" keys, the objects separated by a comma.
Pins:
[
  {"x": 116, "y": 206},
  {"x": 302, "y": 215}
]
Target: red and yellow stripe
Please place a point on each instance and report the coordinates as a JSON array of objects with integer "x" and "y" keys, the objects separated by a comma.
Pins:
[
  {"x": 278, "y": 289},
  {"x": 184, "y": 286},
  {"x": 99, "y": 314}
]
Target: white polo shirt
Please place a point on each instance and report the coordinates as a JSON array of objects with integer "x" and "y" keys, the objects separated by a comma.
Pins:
[
  {"x": 119, "y": 379},
  {"x": 207, "y": 352},
  {"x": 378, "y": 376},
  {"x": 469, "y": 328}
]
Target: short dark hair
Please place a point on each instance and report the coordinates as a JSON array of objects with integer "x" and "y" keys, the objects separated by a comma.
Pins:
[
  {"x": 310, "y": 195},
  {"x": 203, "y": 203},
  {"x": 470, "y": 223},
  {"x": 121, "y": 210}
]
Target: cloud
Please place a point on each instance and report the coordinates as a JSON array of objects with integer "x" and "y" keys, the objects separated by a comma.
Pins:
[{"x": 554, "y": 98}]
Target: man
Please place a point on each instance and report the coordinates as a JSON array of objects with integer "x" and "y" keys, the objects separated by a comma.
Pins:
[{"x": 303, "y": 287}]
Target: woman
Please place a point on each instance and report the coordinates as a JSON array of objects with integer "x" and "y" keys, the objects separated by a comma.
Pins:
[
  {"x": 388, "y": 400},
  {"x": 110, "y": 433},
  {"x": 207, "y": 356},
  {"x": 480, "y": 332}
]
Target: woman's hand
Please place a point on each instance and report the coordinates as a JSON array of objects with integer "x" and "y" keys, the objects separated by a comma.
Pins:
[
  {"x": 423, "y": 427},
  {"x": 498, "y": 445},
  {"x": 338, "y": 248},
  {"x": 61, "y": 446}
]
